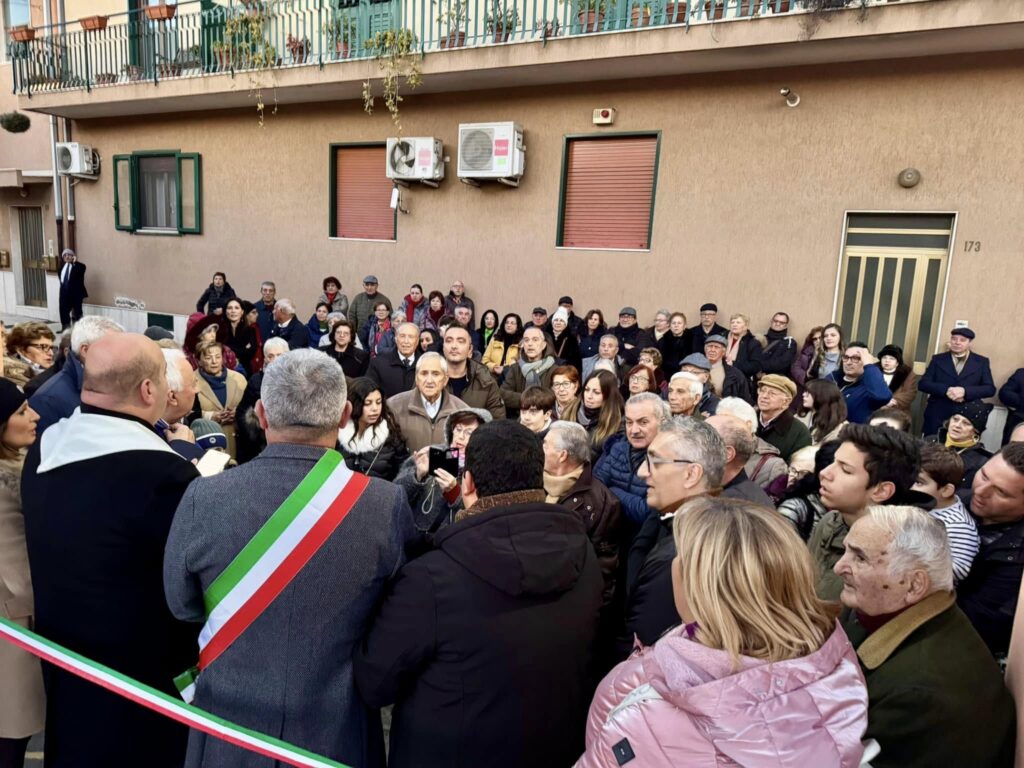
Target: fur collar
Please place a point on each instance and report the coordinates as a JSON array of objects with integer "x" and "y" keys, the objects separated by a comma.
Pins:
[
  {"x": 10, "y": 476},
  {"x": 370, "y": 440}
]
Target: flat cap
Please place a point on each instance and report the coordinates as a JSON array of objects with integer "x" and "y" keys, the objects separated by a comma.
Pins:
[{"x": 781, "y": 383}]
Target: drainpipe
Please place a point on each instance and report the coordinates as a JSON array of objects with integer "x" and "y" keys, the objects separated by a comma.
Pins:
[
  {"x": 67, "y": 137},
  {"x": 58, "y": 200}
]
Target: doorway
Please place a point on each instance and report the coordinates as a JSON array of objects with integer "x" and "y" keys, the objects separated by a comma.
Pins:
[
  {"x": 892, "y": 281},
  {"x": 32, "y": 249}
]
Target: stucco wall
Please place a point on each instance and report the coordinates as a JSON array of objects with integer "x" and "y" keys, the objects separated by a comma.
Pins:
[
  {"x": 749, "y": 208},
  {"x": 29, "y": 151}
]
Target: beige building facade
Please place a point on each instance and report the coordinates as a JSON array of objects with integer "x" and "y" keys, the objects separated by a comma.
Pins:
[{"x": 756, "y": 205}]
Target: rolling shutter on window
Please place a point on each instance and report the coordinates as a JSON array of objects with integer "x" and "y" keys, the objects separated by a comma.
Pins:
[
  {"x": 609, "y": 190},
  {"x": 363, "y": 195}
]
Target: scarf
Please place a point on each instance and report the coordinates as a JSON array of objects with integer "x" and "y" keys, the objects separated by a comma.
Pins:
[
  {"x": 533, "y": 371},
  {"x": 487, "y": 334},
  {"x": 556, "y": 486},
  {"x": 587, "y": 416},
  {"x": 330, "y": 297},
  {"x": 962, "y": 444},
  {"x": 435, "y": 316},
  {"x": 218, "y": 384},
  {"x": 486, "y": 503},
  {"x": 382, "y": 328},
  {"x": 411, "y": 307},
  {"x": 733, "y": 348},
  {"x": 829, "y": 363},
  {"x": 36, "y": 367}
]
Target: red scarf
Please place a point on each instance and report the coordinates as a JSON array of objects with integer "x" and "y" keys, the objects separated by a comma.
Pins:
[{"x": 410, "y": 307}]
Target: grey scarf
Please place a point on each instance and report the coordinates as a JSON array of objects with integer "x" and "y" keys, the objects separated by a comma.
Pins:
[{"x": 533, "y": 371}]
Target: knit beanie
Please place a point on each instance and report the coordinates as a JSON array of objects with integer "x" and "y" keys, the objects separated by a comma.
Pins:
[
  {"x": 561, "y": 314},
  {"x": 976, "y": 412},
  {"x": 209, "y": 434},
  {"x": 11, "y": 399}
]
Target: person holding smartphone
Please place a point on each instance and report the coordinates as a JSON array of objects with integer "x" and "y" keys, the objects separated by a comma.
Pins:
[{"x": 430, "y": 477}]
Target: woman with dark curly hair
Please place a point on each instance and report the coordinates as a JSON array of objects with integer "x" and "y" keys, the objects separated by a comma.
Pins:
[
  {"x": 332, "y": 296},
  {"x": 353, "y": 361},
  {"x": 503, "y": 349},
  {"x": 488, "y": 328},
  {"x": 200, "y": 328},
  {"x": 592, "y": 329},
  {"x": 371, "y": 441},
  {"x": 601, "y": 409},
  {"x": 32, "y": 344},
  {"x": 435, "y": 311}
]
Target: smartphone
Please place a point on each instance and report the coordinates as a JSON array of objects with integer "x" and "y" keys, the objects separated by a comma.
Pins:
[{"x": 446, "y": 459}]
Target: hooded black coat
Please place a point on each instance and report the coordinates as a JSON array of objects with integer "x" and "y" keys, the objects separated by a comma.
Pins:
[{"x": 483, "y": 643}]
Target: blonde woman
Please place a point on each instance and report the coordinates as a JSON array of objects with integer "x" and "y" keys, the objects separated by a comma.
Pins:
[
  {"x": 220, "y": 389},
  {"x": 759, "y": 673},
  {"x": 22, "y": 703},
  {"x": 743, "y": 351}
]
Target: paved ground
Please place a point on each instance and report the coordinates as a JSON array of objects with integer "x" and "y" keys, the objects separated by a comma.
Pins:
[{"x": 34, "y": 757}]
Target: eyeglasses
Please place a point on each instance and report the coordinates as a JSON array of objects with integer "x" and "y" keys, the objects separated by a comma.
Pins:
[
  {"x": 639, "y": 379},
  {"x": 654, "y": 461},
  {"x": 561, "y": 385},
  {"x": 463, "y": 431},
  {"x": 851, "y": 358},
  {"x": 41, "y": 347}
]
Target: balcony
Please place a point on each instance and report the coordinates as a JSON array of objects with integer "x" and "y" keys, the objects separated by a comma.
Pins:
[{"x": 182, "y": 57}]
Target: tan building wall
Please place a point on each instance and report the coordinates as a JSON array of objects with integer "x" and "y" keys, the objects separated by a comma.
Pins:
[
  {"x": 29, "y": 151},
  {"x": 749, "y": 208}
]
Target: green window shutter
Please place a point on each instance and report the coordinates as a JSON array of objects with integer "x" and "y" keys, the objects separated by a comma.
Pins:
[
  {"x": 190, "y": 194},
  {"x": 124, "y": 186}
]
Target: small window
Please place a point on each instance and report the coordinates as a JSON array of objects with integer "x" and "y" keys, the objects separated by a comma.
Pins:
[
  {"x": 361, "y": 194},
  {"x": 158, "y": 192},
  {"x": 608, "y": 191}
]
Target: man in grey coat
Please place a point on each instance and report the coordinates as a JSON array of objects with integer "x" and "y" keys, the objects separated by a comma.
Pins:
[{"x": 289, "y": 674}]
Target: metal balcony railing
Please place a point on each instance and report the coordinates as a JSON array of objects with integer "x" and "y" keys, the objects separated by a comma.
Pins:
[{"x": 175, "y": 41}]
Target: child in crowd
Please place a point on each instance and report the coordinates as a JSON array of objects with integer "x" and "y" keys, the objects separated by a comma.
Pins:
[{"x": 942, "y": 471}]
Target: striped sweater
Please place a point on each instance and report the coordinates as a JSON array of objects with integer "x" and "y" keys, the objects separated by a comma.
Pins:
[{"x": 963, "y": 537}]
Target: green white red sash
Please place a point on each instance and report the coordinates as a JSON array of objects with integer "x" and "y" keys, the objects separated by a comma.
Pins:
[
  {"x": 160, "y": 702},
  {"x": 273, "y": 557}
]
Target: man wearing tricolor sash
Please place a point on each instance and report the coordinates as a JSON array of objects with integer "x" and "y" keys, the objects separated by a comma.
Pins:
[
  {"x": 99, "y": 492},
  {"x": 283, "y": 559}
]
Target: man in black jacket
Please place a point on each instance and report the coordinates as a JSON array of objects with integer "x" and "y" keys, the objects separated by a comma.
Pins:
[
  {"x": 632, "y": 338},
  {"x": 72, "y": 289},
  {"x": 989, "y": 593},
  {"x": 780, "y": 351},
  {"x": 395, "y": 371},
  {"x": 288, "y": 327},
  {"x": 685, "y": 460},
  {"x": 216, "y": 296},
  {"x": 707, "y": 327},
  {"x": 483, "y": 643},
  {"x": 99, "y": 494}
]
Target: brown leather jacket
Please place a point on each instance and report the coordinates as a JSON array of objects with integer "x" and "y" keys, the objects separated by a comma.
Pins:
[{"x": 600, "y": 511}]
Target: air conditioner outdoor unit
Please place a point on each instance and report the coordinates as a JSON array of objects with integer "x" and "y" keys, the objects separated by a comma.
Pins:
[
  {"x": 74, "y": 159},
  {"x": 491, "y": 151},
  {"x": 415, "y": 159}
]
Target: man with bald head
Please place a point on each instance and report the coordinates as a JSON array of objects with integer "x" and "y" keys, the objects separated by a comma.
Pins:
[
  {"x": 739, "y": 447},
  {"x": 99, "y": 491}
]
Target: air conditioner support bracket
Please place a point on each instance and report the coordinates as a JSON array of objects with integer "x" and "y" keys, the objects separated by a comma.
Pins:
[
  {"x": 401, "y": 183},
  {"x": 510, "y": 182},
  {"x": 430, "y": 183},
  {"x": 470, "y": 182}
]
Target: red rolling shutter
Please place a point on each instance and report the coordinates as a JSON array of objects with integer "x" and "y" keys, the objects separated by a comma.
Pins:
[
  {"x": 609, "y": 190},
  {"x": 363, "y": 195}
]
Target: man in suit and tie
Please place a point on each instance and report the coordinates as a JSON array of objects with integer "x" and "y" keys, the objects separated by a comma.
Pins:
[
  {"x": 395, "y": 371},
  {"x": 289, "y": 672},
  {"x": 72, "y": 289},
  {"x": 954, "y": 377}
]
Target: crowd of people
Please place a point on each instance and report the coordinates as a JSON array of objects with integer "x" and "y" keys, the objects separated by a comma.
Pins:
[{"x": 546, "y": 543}]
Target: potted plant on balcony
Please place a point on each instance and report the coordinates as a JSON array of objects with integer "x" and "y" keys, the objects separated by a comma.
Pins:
[
  {"x": 640, "y": 14},
  {"x": 298, "y": 47},
  {"x": 22, "y": 34},
  {"x": 341, "y": 34},
  {"x": 451, "y": 22},
  {"x": 395, "y": 51},
  {"x": 675, "y": 13},
  {"x": 162, "y": 12},
  {"x": 714, "y": 9},
  {"x": 548, "y": 28},
  {"x": 93, "y": 23},
  {"x": 590, "y": 13},
  {"x": 500, "y": 25},
  {"x": 133, "y": 72},
  {"x": 15, "y": 122},
  {"x": 106, "y": 78}
]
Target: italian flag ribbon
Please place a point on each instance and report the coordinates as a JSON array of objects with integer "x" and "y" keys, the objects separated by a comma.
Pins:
[
  {"x": 160, "y": 702},
  {"x": 273, "y": 557}
]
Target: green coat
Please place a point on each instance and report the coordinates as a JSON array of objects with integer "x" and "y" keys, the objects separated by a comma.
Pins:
[
  {"x": 827, "y": 546},
  {"x": 936, "y": 697}
]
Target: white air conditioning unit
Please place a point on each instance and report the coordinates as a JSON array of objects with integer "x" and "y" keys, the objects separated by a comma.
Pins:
[
  {"x": 74, "y": 159},
  {"x": 491, "y": 151},
  {"x": 415, "y": 159}
]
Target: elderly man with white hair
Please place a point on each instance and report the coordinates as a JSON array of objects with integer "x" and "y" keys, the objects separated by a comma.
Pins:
[
  {"x": 422, "y": 412},
  {"x": 249, "y": 436},
  {"x": 182, "y": 387},
  {"x": 58, "y": 398},
  {"x": 739, "y": 447},
  {"x": 350, "y": 530},
  {"x": 288, "y": 327},
  {"x": 684, "y": 393},
  {"x": 765, "y": 463},
  {"x": 569, "y": 480},
  {"x": 935, "y": 694}
]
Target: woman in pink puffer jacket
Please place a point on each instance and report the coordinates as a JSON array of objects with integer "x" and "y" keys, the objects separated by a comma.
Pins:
[{"x": 759, "y": 675}]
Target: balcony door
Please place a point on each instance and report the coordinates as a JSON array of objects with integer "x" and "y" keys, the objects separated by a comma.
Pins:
[{"x": 31, "y": 250}]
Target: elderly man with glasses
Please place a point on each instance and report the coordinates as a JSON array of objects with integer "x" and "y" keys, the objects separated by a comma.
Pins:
[
  {"x": 686, "y": 459},
  {"x": 776, "y": 424},
  {"x": 862, "y": 383}
]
